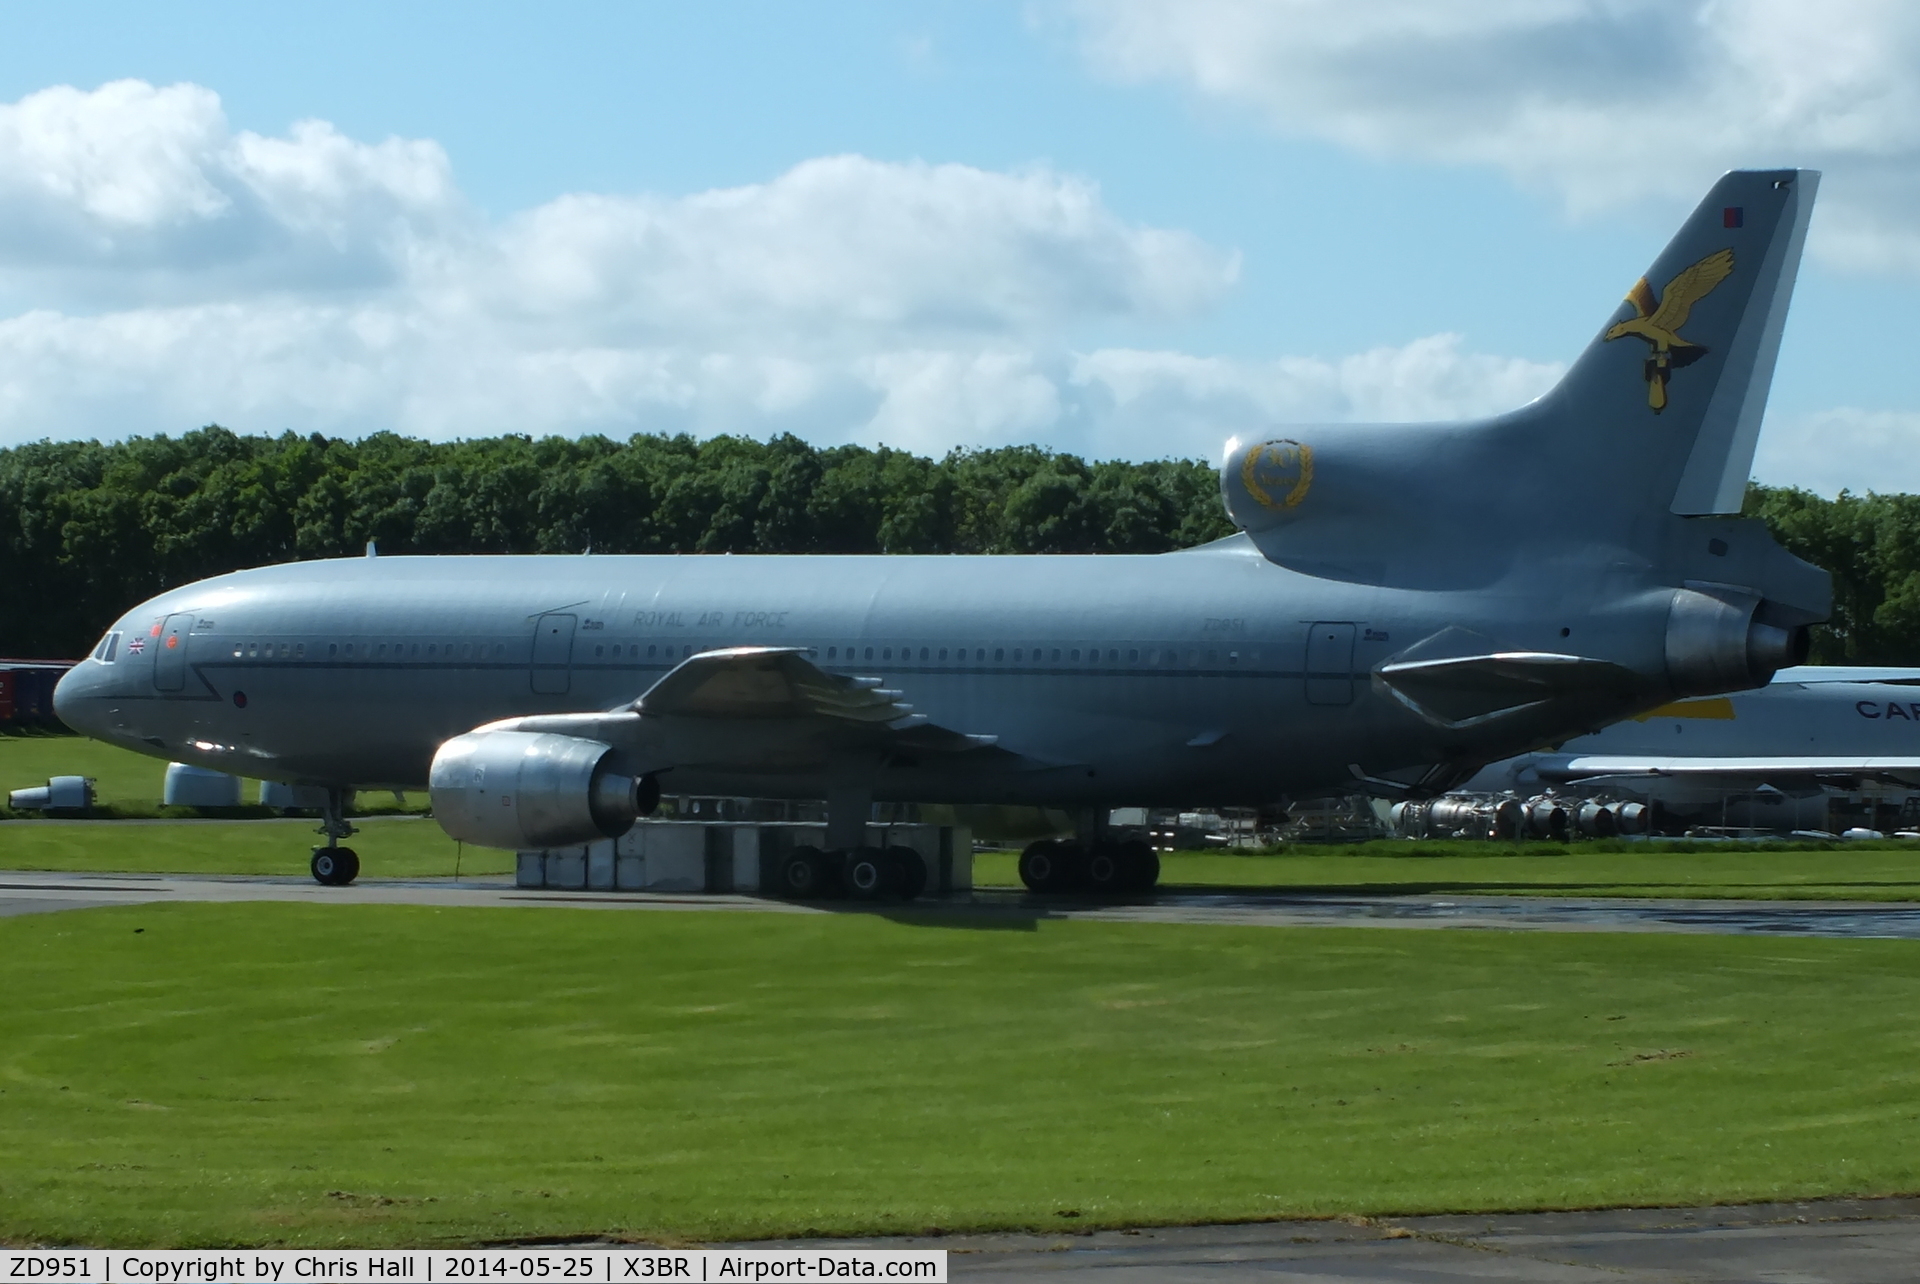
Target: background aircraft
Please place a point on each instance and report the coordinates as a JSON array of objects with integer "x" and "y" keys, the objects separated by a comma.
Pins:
[
  {"x": 1404, "y": 604},
  {"x": 1769, "y": 758}
]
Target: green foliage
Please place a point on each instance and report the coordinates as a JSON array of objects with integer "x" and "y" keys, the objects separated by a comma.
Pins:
[
  {"x": 87, "y": 530},
  {"x": 1871, "y": 546}
]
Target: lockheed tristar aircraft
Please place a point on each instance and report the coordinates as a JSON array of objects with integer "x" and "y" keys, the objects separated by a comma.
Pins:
[{"x": 1402, "y": 604}]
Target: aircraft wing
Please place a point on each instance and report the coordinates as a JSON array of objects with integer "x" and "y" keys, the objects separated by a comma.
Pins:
[
  {"x": 761, "y": 682},
  {"x": 756, "y": 708},
  {"x": 1810, "y": 674},
  {"x": 1759, "y": 770}
]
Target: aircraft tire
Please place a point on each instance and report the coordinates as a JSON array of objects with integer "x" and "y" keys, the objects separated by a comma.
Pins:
[
  {"x": 1051, "y": 865},
  {"x": 1105, "y": 870},
  {"x": 913, "y": 871},
  {"x": 334, "y": 866},
  {"x": 804, "y": 874},
  {"x": 1139, "y": 866},
  {"x": 871, "y": 874}
]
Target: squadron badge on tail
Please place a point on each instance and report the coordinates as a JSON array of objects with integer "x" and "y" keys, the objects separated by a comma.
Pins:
[{"x": 1659, "y": 321}]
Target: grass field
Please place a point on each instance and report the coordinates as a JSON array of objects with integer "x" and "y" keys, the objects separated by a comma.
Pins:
[
  {"x": 395, "y": 847},
  {"x": 120, "y": 776},
  {"x": 392, "y": 848},
  {"x": 221, "y": 1074},
  {"x": 1851, "y": 873},
  {"x": 125, "y": 783}
]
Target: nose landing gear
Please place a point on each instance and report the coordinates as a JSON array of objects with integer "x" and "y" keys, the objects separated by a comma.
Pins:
[{"x": 334, "y": 865}]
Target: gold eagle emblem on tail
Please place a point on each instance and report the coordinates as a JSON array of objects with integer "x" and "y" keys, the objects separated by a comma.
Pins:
[{"x": 1659, "y": 321}]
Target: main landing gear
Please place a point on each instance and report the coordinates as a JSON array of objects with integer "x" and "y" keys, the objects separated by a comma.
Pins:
[
  {"x": 334, "y": 865},
  {"x": 1101, "y": 867},
  {"x": 860, "y": 874}
]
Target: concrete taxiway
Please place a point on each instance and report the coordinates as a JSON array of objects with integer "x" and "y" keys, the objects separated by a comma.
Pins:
[
  {"x": 1847, "y": 1241},
  {"x": 34, "y": 892}
]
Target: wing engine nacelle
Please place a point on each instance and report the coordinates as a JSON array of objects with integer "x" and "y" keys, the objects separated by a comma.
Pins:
[{"x": 528, "y": 789}]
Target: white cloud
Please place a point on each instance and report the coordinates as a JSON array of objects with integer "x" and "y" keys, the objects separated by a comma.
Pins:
[
  {"x": 855, "y": 244},
  {"x": 1841, "y": 449},
  {"x": 133, "y": 193},
  {"x": 168, "y": 271},
  {"x": 1602, "y": 101},
  {"x": 1161, "y": 397}
]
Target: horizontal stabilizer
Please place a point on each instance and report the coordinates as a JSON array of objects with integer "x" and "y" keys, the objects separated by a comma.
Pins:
[{"x": 1463, "y": 690}]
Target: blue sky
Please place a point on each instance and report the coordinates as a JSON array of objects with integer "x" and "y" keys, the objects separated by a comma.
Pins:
[{"x": 1126, "y": 229}]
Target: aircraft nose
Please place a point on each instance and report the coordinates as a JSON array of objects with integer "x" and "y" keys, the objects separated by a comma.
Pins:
[{"x": 76, "y": 700}]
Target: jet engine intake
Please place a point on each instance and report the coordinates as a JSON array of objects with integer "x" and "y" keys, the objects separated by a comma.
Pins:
[
  {"x": 1718, "y": 640},
  {"x": 522, "y": 790}
]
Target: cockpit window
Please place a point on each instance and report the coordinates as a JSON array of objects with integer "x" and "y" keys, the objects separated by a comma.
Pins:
[{"x": 109, "y": 648}]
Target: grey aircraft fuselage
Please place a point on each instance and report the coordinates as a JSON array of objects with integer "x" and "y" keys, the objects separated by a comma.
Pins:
[
  {"x": 1404, "y": 604},
  {"x": 1211, "y": 674}
]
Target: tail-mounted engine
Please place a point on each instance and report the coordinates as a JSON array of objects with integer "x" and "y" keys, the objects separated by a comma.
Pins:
[
  {"x": 1720, "y": 639},
  {"x": 526, "y": 789}
]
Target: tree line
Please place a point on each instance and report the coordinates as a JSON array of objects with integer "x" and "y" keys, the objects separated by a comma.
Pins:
[{"x": 87, "y": 529}]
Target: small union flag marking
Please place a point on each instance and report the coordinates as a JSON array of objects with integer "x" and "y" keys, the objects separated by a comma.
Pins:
[{"x": 136, "y": 645}]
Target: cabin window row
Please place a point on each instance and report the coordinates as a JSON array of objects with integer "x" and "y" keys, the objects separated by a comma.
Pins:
[
  {"x": 372, "y": 650},
  {"x": 445, "y": 651},
  {"x": 654, "y": 652},
  {"x": 1038, "y": 655},
  {"x": 1021, "y": 655}
]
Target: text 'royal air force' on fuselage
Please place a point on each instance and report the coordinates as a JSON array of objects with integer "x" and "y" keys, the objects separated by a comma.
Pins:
[{"x": 1403, "y": 604}]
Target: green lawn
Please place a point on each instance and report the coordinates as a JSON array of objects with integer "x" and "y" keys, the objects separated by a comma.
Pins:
[
  {"x": 412, "y": 848},
  {"x": 389, "y": 848},
  {"x": 253, "y": 1074},
  {"x": 1849, "y": 872},
  {"x": 125, "y": 783},
  {"x": 120, "y": 775}
]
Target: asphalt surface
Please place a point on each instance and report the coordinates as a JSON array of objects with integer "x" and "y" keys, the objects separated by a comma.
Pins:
[
  {"x": 33, "y": 892},
  {"x": 1856, "y": 1241}
]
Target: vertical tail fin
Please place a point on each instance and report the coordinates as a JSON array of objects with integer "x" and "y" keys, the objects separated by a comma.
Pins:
[{"x": 1679, "y": 374}]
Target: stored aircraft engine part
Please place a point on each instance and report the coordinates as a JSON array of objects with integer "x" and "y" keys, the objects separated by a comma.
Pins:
[
  {"x": 1546, "y": 817},
  {"x": 1717, "y": 642},
  {"x": 61, "y": 793},
  {"x": 1450, "y": 815},
  {"x": 1632, "y": 817},
  {"x": 186, "y": 785},
  {"x": 527, "y": 789},
  {"x": 1459, "y": 816},
  {"x": 1595, "y": 819}
]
